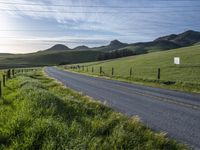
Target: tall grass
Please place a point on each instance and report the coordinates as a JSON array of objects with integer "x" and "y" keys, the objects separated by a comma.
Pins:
[{"x": 38, "y": 113}]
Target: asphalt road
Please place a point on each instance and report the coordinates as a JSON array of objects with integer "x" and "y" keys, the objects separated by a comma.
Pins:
[{"x": 176, "y": 113}]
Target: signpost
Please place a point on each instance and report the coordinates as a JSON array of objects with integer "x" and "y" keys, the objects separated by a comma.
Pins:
[{"x": 177, "y": 60}]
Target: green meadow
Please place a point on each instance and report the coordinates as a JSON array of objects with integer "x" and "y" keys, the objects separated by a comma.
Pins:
[
  {"x": 185, "y": 76},
  {"x": 46, "y": 58},
  {"x": 38, "y": 113}
]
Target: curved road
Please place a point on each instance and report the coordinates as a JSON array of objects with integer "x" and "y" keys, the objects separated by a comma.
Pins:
[{"x": 176, "y": 113}]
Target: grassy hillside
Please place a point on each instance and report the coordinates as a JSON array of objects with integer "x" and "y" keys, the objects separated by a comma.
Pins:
[
  {"x": 145, "y": 67},
  {"x": 38, "y": 113},
  {"x": 48, "y": 58},
  {"x": 62, "y": 54},
  {"x": 148, "y": 47},
  {"x": 113, "y": 45},
  {"x": 173, "y": 41},
  {"x": 187, "y": 38}
]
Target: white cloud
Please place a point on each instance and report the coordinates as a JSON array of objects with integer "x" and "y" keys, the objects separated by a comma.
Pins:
[{"x": 91, "y": 27}]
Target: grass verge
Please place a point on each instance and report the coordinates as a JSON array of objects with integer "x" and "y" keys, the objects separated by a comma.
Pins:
[
  {"x": 144, "y": 69},
  {"x": 164, "y": 84},
  {"x": 39, "y": 113}
]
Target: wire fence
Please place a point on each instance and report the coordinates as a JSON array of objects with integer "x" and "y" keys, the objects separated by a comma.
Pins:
[
  {"x": 8, "y": 75},
  {"x": 167, "y": 75}
]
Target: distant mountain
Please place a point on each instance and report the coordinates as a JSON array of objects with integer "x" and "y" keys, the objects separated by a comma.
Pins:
[
  {"x": 6, "y": 54},
  {"x": 58, "y": 47},
  {"x": 184, "y": 39},
  {"x": 61, "y": 54},
  {"x": 162, "y": 43},
  {"x": 146, "y": 47},
  {"x": 172, "y": 41},
  {"x": 113, "y": 45},
  {"x": 82, "y": 47}
]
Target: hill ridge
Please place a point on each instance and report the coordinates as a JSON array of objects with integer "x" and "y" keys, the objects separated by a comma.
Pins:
[{"x": 58, "y": 47}]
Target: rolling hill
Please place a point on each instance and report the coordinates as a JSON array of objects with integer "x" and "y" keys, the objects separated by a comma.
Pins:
[
  {"x": 48, "y": 58},
  {"x": 55, "y": 49},
  {"x": 58, "y": 47},
  {"x": 172, "y": 41},
  {"x": 61, "y": 54},
  {"x": 144, "y": 67},
  {"x": 113, "y": 45},
  {"x": 82, "y": 47},
  {"x": 184, "y": 39},
  {"x": 146, "y": 47}
]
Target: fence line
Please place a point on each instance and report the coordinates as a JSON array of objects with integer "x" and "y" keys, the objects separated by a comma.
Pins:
[
  {"x": 8, "y": 75},
  {"x": 100, "y": 71}
]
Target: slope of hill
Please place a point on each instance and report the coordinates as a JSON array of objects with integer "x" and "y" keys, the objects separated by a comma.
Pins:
[
  {"x": 113, "y": 45},
  {"x": 57, "y": 48},
  {"x": 146, "y": 47},
  {"x": 172, "y": 41},
  {"x": 184, "y": 39},
  {"x": 144, "y": 67},
  {"x": 82, "y": 47},
  {"x": 55, "y": 58},
  {"x": 3, "y": 55},
  {"x": 62, "y": 54}
]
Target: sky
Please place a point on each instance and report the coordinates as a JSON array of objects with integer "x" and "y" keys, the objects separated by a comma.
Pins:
[{"x": 28, "y": 26}]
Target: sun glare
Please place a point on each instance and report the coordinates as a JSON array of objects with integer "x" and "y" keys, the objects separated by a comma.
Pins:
[{"x": 7, "y": 34}]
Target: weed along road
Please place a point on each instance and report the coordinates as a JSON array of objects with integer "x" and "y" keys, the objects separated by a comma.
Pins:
[{"x": 176, "y": 113}]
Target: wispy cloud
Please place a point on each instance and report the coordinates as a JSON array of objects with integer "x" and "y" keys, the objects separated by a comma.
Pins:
[{"x": 90, "y": 21}]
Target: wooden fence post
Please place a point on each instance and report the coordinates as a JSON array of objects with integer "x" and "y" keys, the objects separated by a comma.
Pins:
[
  {"x": 100, "y": 70},
  {"x": 13, "y": 72},
  {"x": 158, "y": 76},
  {"x": 92, "y": 69},
  {"x": 8, "y": 74},
  {"x": 131, "y": 72},
  {"x": 4, "y": 80},
  {"x": 87, "y": 69},
  {"x": 112, "y": 71}
]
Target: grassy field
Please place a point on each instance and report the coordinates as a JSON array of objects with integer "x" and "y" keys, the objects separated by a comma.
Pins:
[
  {"x": 47, "y": 58},
  {"x": 185, "y": 76},
  {"x": 38, "y": 113}
]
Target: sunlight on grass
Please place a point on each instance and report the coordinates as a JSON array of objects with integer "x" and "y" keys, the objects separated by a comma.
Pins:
[{"x": 38, "y": 113}]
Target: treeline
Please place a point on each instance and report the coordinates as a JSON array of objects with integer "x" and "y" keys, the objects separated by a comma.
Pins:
[{"x": 116, "y": 54}]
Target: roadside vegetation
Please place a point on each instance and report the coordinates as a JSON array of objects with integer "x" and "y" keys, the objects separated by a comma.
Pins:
[
  {"x": 38, "y": 113},
  {"x": 144, "y": 69}
]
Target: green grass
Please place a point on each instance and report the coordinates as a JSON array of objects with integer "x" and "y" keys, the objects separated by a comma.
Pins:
[
  {"x": 47, "y": 58},
  {"x": 38, "y": 113},
  {"x": 185, "y": 76},
  {"x": 149, "y": 47}
]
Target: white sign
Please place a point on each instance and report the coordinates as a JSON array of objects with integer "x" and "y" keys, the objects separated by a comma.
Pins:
[{"x": 176, "y": 60}]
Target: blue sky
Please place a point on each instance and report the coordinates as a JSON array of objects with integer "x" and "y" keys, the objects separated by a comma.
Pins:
[{"x": 28, "y": 26}]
